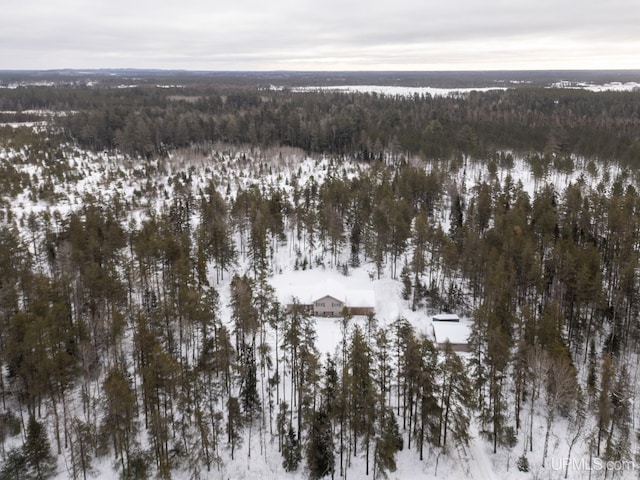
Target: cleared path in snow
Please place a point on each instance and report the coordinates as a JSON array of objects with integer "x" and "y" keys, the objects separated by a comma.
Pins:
[{"x": 479, "y": 463}]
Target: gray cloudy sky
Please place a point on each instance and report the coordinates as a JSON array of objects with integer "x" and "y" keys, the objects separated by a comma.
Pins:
[{"x": 320, "y": 35}]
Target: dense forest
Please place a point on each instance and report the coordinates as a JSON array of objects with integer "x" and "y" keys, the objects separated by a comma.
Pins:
[
  {"x": 148, "y": 120},
  {"x": 138, "y": 324}
]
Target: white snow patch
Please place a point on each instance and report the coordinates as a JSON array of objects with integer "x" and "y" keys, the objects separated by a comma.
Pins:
[{"x": 398, "y": 91}]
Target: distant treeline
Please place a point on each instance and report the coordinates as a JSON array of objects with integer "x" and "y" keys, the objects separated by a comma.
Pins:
[{"x": 147, "y": 120}]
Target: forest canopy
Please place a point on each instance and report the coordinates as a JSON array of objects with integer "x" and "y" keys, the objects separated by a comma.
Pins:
[
  {"x": 141, "y": 229},
  {"x": 147, "y": 120}
]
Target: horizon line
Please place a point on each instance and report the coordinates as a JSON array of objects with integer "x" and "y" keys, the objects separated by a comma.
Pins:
[{"x": 187, "y": 70}]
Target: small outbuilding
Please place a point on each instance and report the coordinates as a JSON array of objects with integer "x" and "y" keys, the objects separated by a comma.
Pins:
[{"x": 456, "y": 331}]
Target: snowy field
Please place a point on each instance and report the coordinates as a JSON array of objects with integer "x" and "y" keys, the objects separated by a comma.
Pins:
[
  {"x": 393, "y": 91},
  {"x": 399, "y": 91}
]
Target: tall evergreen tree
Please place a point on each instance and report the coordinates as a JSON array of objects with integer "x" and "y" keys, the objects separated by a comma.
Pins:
[
  {"x": 456, "y": 398},
  {"x": 291, "y": 451},
  {"x": 40, "y": 461},
  {"x": 319, "y": 450},
  {"x": 387, "y": 443}
]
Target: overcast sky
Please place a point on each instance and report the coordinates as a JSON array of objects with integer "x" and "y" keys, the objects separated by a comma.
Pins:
[{"x": 320, "y": 35}]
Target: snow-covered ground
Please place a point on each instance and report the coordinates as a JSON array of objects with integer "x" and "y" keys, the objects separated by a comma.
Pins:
[
  {"x": 107, "y": 176},
  {"x": 393, "y": 90},
  {"x": 605, "y": 87},
  {"x": 400, "y": 91}
]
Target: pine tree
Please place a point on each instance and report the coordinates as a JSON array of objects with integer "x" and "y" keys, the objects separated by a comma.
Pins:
[
  {"x": 119, "y": 422},
  {"x": 299, "y": 342},
  {"x": 291, "y": 452},
  {"x": 354, "y": 240},
  {"x": 234, "y": 424},
  {"x": 14, "y": 466},
  {"x": 419, "y": 261},
  {"x": 425, "y": 373},
  {"x": 40, "y": 461},
  {"x": 249, "y": 398},
  {"x": 406, "y": 283},
  {"x": 559, "y": 392},
  {"x": 244, "y": 314},
  {"x": 362, "y": 392},
  {"x": 319, "y": 450},
  {"x": 604, "y": 406},
  {"x": 456, "y": 218},
  {"x": 577, "y": 418},
  {"x": 456, "y": 398},
  {"x": 281, "y": 424},
  {"x": 214, "y": 236},
  {"x": 399, "y": 230},
  {"x": 82, "y": 448},
  {"x": 592, "y": 375},
  {"x": 618, "y": 446},
  {"x": 387, "y": 443}
]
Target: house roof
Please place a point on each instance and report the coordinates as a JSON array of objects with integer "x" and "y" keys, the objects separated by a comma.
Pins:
[
  {"x": 310, "y": 286},
  {"x": 328, "y": 296}
]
